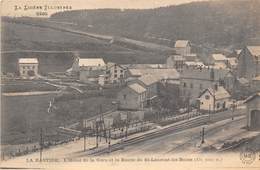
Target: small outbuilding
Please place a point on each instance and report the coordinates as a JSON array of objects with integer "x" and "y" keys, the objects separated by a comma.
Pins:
[{"x": 253, "y": 112}]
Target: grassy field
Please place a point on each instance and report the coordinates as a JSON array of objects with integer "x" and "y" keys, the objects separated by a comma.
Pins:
[
  {"x": 23, "y": 116},
  {"x": 25, "y": 86}
]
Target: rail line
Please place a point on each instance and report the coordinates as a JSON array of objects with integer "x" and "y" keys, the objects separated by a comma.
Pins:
[{"x": 194, "y": 122}]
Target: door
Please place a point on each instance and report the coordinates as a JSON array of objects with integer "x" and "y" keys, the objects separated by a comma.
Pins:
[{"x": 255, "y": 120}]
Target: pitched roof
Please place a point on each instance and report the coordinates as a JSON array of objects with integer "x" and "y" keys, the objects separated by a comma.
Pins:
[
  {"x": 243, "y": 81},
  {"x": 254, "y": 50},
  {"x": 28, "y": 61},
  {"x": 181, "y": 43},
  {"x": 137, "y": 88},
  {"x": 149, "y": 79},
  {"x": 220, "y": 93},
  {"x": 250, "y": 98},
  {"x": 91, "y": 62},
  {"x": 219, "y": 57}
]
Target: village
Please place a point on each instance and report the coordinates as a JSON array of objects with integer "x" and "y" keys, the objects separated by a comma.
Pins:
[{"x": 183, "y": 89}]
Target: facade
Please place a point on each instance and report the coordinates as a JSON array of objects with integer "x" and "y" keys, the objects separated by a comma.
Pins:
[
  {"x": 183, "y": 47},
  {"x": 214, "y": 99},
  {"x": 253, "y": 112},
  {"x": 88, "y": 64},
  {"x": 150, "y": 83},
  {"x": 249, "y": 62},
  {"x": 28, "y": 67},
  {"x": 132, "y": 97},
  {"x": 194, "y": 80},
  {"x": 176, "y": 62},
  {"x": 115, "y": 73}
]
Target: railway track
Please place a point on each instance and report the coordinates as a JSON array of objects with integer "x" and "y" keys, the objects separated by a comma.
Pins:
[{"x": 194, "y": 122}]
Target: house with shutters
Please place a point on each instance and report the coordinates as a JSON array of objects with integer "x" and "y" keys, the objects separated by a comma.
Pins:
[{"x": 115, "y": 73}]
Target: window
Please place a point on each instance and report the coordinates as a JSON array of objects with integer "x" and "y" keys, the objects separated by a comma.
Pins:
[
  {"x": 218, "y": 105},
  {"x": 115, "y": 71},
  {"x": 115, "y": 75},
  {"x": 121, "y": 71},
  {"x": 33, "y": 67},
  {"x": 24, "y": 67},
  {"x": 23, "y": 72},
  {"x": 207, "y": 97},
  {"x": 184, "y": 84},
  {"x": 124, "y": 96},
  {"x": 28, "y": 67}
]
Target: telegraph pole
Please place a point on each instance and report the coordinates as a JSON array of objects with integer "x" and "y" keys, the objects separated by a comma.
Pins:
[
  {"x": 202, "y": 135},
  {"x": 41, "y": 144},
  {"x": 96, "y": 135},
  {"x": 84, "y": 133},
  {"x": 109, "y": 138}
]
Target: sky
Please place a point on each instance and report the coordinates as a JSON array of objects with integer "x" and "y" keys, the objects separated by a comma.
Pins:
[{"x": 20, "y": 7}]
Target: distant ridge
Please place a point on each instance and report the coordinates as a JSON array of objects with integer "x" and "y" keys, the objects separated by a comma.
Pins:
[{"x": 222, "y": 23}]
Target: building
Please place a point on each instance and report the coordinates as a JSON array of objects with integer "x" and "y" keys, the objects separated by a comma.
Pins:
[
  {"x": 115, "y": 73},
  {"x": 253, "y": 112},
  {"x": 150, "y": 83},
  {"x": 249, "y": 62},
  {"x": 176, "y": 62},
  {"x": 214, "y": 99},
  {"x": 194, "y": 80},
  {"x": 28, "y": 67},
  {"x": 232, "y": 63},
  {"x": 132, "y": 97},
  {"x": 220, "y": 61},
  {"x": 183, "y": 47},
  {"x": 88, "y": 64}
]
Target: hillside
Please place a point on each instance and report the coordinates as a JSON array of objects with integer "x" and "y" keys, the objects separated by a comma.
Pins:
[{"x": 221, "y": 23}]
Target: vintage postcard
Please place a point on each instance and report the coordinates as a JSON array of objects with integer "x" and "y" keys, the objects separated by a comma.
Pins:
[{"x": 130, "y": 84}]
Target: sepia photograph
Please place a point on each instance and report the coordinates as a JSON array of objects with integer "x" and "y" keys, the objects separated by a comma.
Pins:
[{"x": 133, "y": 84}]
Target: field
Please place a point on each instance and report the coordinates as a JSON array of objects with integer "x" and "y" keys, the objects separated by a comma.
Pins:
[
  {"x": 25, "y": 86},
  {"x": 23, "y": 116}
]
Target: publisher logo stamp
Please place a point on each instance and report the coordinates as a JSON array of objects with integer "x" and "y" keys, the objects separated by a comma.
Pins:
[{"x": 247, "y": 156}]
